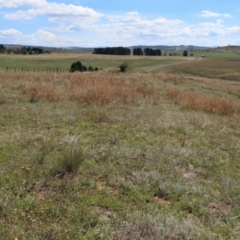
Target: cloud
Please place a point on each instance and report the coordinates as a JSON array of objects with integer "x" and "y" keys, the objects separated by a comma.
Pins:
[
  {"x": 209, "y": 14},
  {"x": 132, "y": 23},
  {"x": 54, "y": 11},
  {"x": 11, "y": 36},
  {"x": 20, "y": 3},
  {"x": 44, "y": 35},
  {"x": 10, "y": 33},
  {"x": 41, "y": 37},
  {"x": 82, "y": 26}
]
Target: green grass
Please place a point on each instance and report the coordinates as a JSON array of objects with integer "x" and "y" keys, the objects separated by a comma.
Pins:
[
  {"x": 220, "y": 68},
  {"x": 212, "y": 53},
  {"x": 75, "y": 168},
  {"x": 64, "y": 60}
]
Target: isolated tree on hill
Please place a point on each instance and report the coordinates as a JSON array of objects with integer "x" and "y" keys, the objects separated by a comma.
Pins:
[{"x": 185, "y": 53}]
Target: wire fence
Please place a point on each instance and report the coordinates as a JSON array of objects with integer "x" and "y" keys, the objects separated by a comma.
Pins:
[{"x": 49, "y": 70}]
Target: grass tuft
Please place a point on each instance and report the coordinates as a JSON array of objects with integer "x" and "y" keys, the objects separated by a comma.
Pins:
[{"x": 69, "y": 162}]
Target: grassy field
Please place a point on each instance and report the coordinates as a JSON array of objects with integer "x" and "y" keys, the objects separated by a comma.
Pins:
[
  {"x": 221, "y": 68},
  {"x": 109, "y": 155},
  {"x": 63, "y": 61},
  {"x": 212, "y": 53}
]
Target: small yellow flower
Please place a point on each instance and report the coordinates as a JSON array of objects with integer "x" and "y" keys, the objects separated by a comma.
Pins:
[{"x": 15, "y": 238}]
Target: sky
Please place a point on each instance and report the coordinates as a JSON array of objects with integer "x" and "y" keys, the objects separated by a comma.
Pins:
[{"x": 106, "y": 23}]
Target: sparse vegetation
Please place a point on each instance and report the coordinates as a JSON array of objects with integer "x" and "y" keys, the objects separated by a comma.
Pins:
[{"x": 104, "y": 155}]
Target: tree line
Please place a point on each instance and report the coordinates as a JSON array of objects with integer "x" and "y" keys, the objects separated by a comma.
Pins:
[
  {"x": 127, "y": 51},
  {"x": 112, "y": 51},
  {"x": 79, "y": 67},
  {"x": 24, "y": 50}
]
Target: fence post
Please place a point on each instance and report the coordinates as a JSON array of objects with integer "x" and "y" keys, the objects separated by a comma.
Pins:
[{"x": 6, "y": 69}]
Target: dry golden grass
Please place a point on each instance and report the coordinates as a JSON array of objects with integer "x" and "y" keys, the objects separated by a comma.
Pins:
[
  {"x": 166, "y": 77},
  {"x": 209, "y": 104},
  {"x": 88, "y": 88}
]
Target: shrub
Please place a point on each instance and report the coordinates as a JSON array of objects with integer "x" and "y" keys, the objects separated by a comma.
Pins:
[
  {"x": 90, "y": 68},
  {"x": 123, "y": 67}
]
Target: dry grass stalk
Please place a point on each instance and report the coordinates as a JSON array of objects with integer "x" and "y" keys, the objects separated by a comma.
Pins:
[{"x": 210, "y": 104}]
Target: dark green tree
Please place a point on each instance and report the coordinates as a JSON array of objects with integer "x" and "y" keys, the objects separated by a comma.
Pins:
[
  {"x": 2, "y": 48},
  {"x": 185, "y": 53},
  {"x": 76, "y": 66},
  {"x": 112, "y": 51},
  {"x": 138, "y": 51},
  {"x": 84, "y": 69},
  {"x": 152, "y": 52}
]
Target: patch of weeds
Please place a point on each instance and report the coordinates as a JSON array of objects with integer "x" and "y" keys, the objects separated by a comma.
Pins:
[
  {"x": 230, "y": 189},
  {"x": 135, "y": 195},
  {"x": 150, "y": 227},
  {"x": 171, "y": 185},
  {"x": 222, "y": 231},
  {"x": 98, "y": 116},
  {"x": 69, "y": 162}
]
